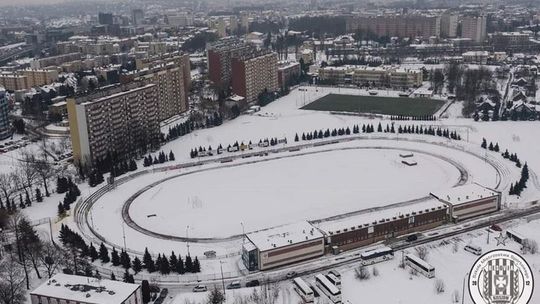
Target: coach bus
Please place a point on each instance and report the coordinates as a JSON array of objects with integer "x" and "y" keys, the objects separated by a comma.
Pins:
[
  {"x": 420, "y": 265},
  {"x": 334, "y": 280},
  {"x": 377, "y": 255},
  {"x": 329, "y": 289},
  {"x": 303, "y": 290}
]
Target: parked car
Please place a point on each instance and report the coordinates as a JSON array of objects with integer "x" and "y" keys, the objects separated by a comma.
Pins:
[
  {"x": 200, "y": 288},
  {"x": 291, "y": 274},
  {"x": 412, "y": 238},
  {"x": 253, "y": 283},
  {"x": 234, "y": 285},
  {"x": 495, "y": 227}
]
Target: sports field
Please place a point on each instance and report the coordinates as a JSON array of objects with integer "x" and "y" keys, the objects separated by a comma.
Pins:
[{"x": 376, "y": 105}]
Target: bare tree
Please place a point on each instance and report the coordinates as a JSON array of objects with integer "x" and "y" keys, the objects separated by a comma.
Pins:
[
  {"x": 44, "y": 170},
  {"x": 439, "y": 286},
  {"x": 455, "y": 247},
  {"x": 7, "y": 185},
  {"x": 51, "y": 258},
  {"x": 362, "y": 273},
  {"x": 14, "y": 222},
  {"x": 11, "y": 282},
  {"x": 26, "y": 173},
  {"x": 422, "y": 252}
]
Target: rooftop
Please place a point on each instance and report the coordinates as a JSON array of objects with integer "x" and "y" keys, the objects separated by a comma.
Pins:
[
  {"x": 285, "y": 235},
  {"x": 85, "y": 289},
  {"x": 464, "y": 194}
]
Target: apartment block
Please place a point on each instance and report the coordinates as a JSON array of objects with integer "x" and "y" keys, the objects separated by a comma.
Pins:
[
  {"x": 121, "y": 120},
  {"x": 220, "y": 54},
  {"x": 254, "y": 73},
  {"x": 449, "y": 25},
  {"x": 474, "y": 28},
  {"x": 14, "y": 82},
  {"x": 287, "y": 71},
  {"x": 5, "y": 128},
  {"x": 40, "y": 77},
  {"x": 377, "y": 76},
  {"x": 400, "y": 25},
  {"x": 42, "y": 63}
]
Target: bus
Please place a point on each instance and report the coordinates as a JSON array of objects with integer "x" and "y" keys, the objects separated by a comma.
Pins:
[
  {"x": 303, "y": 290},
  {"x": 329, "y": 289},
  {"x": 376, "y": 255},
  {"x": 334, "y": 280},
  {"x": 420, "y": 265}
]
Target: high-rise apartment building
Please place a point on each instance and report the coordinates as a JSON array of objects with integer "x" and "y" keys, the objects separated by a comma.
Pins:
[
  {"x": 449, "y": 25},
  {"x": 137, "y": 16},
  {"x": 474, "y": 27},
  {"x": 400, "y": 25},
  {"x": 5, "y": 130},
  {"x": 119, "y": 120},
  {"x": 220, "y": 54},
  {"x": 254, "y": 73}
]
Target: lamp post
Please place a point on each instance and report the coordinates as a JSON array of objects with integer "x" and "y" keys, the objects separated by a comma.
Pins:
[
  {"x": 463, "y": 290},
  {"x": 222, "y": 280},
  {"x": 187, "y": 239},
  {"x": 243, "y": 233}
]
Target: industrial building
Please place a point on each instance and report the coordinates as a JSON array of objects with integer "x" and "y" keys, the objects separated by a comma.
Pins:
[
  {"x": 469, "y": 201},
  {"x": 118, "y": 120},
  {"x": 282, "y": 245},
  {"x": 64, "y": 289}
]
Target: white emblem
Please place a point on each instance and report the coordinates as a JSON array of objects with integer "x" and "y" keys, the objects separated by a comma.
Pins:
[{"x": 501, "y": 277}]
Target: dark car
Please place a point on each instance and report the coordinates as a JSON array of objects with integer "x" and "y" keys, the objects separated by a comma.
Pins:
[
  {"x": 496, "y": 227},
  {"x": 253, "y": 283},
  {"x": 412, "y": 238}
]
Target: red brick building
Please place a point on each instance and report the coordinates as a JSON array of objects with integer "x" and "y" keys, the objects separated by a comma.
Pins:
[
  {"x": 254, "y": 73},
  {"x": 220, "y": 54}
]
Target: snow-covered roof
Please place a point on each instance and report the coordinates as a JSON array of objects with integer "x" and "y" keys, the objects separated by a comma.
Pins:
[
  {"x": 85, "y": 289},
  {"x": 464, "y": 194},
  {"x": 366, "y": 219},
  {"x": 285, "y": 235}
]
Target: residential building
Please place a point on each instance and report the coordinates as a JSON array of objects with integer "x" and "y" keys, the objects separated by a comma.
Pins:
[
  {"x": 5, "y": 128},
  {"x": 64, "y": 288},
  {"x": 504, "y": 40},
  {"x": 14, "y": 82},
  {"x": 449, "y": 25},
  {"x": 287, "y": 72},
  {"x": 253, "y": 74},
  {"x": 480, "y": 57},
  {"x": 172, "y": 84},
  {"x": 121, "y": 120},
  {"x": 105, "y": 18},
  {"x": 371, "y": 76},
  {"x": 400, "y": 25},
  {"x": 180, "y": 20},
  {"x": 54, "y": 60},
  {"x": 220, "y": 54},
  {"x": 474, "y": 27},
  {"x": 137, "y": 16},
  {"x": 36, "y": 78}
]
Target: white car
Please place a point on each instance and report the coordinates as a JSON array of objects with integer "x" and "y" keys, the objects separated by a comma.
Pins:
[{"x": 199, "y": 288}]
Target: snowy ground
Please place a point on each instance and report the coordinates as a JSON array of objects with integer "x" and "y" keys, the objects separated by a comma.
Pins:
[{"x": 402, "y": 287}]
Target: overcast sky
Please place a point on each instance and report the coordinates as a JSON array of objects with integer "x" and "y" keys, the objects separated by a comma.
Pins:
[{"x": 27, "y": 2}]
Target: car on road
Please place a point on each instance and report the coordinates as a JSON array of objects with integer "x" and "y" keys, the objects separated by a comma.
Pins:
[
  {"x": 253, "y": 283},
  {"x": 200, "y": 288},
  {"x": 234, "y": 285},
  {"x": 412, "y": 238},
  {"x": 291, "y": 274}
]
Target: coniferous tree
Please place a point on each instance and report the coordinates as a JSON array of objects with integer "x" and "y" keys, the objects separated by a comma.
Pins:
[
  {"x": 165, "y": 267},
  {"x": 115, "y": 258},
  {"x": 180, "y": 266},
  {"x": 196, "y": 265},
  {"x": 125, "y": 260},
  {"x": 484, "y": 143},
  {"x": 104, "y": 254},
  {"x": 113, "y": 277},
  {"x": 61, "y": 210},
  {"x": 93, "y": 252},
  {"x": 296, "y": 137},
  {"x": 137, "y": 265},
  {"x": 188, "y": 264},
  {"x": 490, "y": 148},
  {"x": 173, "y": 260},
  {"x": 379, "y": 128},
  {"x": 496, "y": 147},
  {"x": 39, "y": 197}
]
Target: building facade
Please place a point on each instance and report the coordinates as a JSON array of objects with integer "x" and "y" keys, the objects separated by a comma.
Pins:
[
  {"x": 474, "y": 28},
  {"x": 254, "y": 74},
  {"x": 449, "y": 25},
  {"x": 401, "y": 25},
  {"x": 65, "y": 289},
  {"x": 220, "y": 54},
  {"x": 371, "y": 76},
  {"x": 469, "y": 201},
  {"x": 287, "y": 72},
  {"x": 122, "y": 121},
  {"x": 281, "y": 246},
  {"x": 5, "y": 128}
]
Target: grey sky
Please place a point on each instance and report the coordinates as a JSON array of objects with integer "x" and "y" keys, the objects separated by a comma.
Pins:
[{"x": 27, "y": 2}]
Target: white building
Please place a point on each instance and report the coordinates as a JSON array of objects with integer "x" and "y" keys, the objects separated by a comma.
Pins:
[
  {"x": 64, "y": 289},
  {"x": 282, "y": 245},
  {"x": 469, "y": 201}
]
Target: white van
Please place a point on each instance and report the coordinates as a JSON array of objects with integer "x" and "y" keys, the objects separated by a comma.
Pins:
[{"x": 473, "y": 249}]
